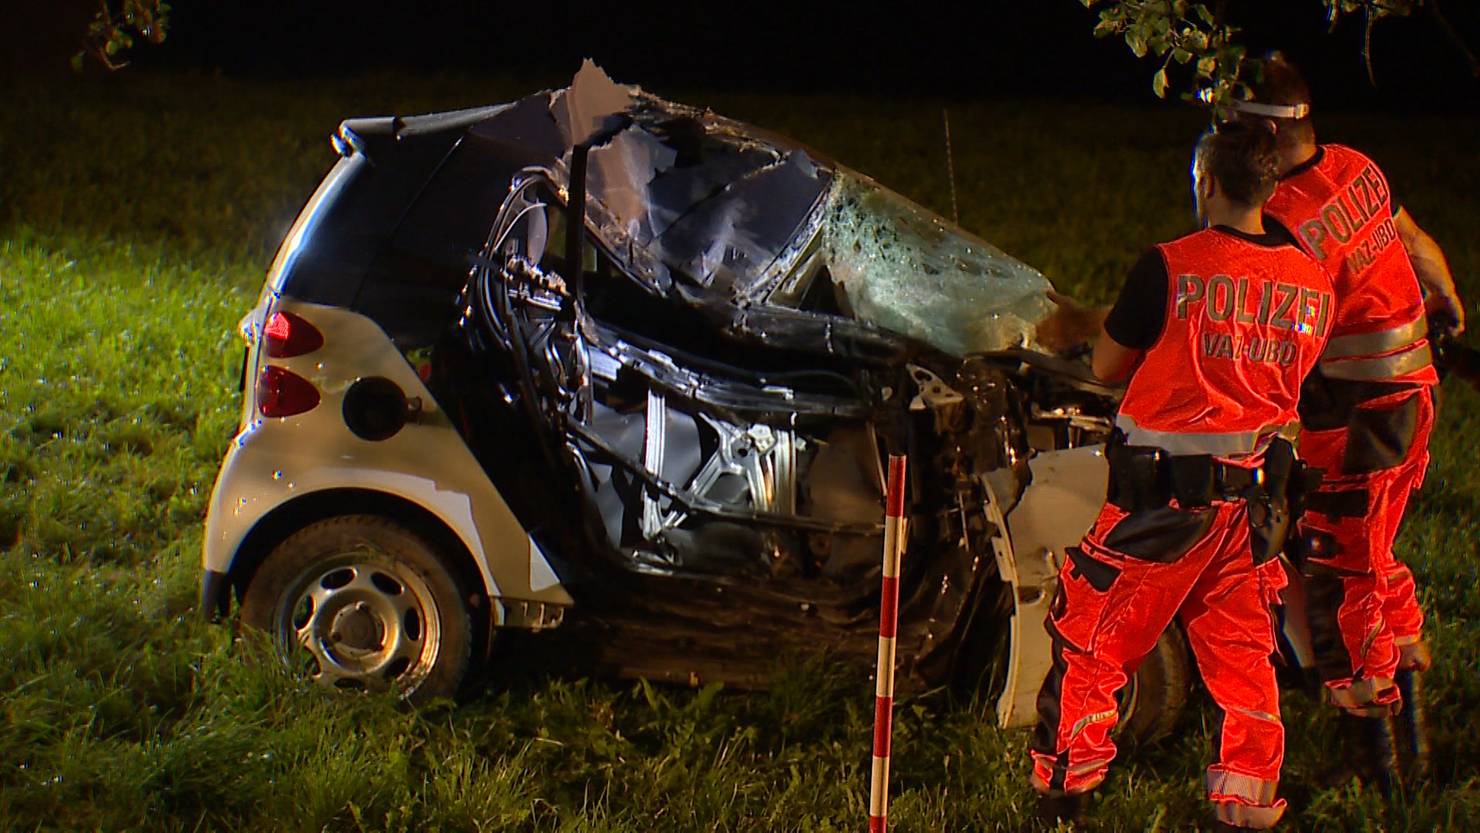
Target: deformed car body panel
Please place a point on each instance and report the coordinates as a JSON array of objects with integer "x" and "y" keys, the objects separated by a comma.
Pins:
[
  {"x": 1066, "y": 495},
  {"x": 274, "y": 462}
]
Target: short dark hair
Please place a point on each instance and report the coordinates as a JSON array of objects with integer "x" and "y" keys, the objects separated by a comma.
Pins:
[
  {"x": 1277, "y": 81},
  {"x": 1242, "y": 159}
]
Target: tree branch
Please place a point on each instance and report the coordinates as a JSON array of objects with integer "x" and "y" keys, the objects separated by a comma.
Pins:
[
  {"x": 111, "y": 33},
  {"x": 1455, "y": 37},
  {"x": 1188, "y": 31}
]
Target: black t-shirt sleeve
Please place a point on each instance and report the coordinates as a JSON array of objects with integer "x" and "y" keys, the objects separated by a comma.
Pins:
[
  {"x": 1277, "y": 235},
  {"x": 1140, "y": 312}
]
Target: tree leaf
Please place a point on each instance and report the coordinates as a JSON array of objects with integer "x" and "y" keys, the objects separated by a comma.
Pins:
[
  {"x": 1135, "y": 38},
  {"x": 1159, "y": 83}
]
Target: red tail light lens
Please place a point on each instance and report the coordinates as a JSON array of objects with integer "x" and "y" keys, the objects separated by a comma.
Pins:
[
  {"x": 282, "y": 393},
  {"x": 287, "y": 335}
]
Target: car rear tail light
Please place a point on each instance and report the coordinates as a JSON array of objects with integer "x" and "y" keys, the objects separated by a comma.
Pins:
[
  {"x": 282, "y": 393},
  {"x": 287, "y": 335}
]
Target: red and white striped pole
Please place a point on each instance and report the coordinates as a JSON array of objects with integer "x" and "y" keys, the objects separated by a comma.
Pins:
[{"x": 894, "y": 540}]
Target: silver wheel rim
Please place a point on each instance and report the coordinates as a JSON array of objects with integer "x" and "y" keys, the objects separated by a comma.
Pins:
[{"x": 356, "y": 621}]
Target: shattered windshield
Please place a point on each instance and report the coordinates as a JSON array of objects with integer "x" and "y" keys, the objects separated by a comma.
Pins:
[{"x": 910, "y": 271}]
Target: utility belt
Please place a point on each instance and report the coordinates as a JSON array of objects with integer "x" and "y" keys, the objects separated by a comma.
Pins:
[{"x": 1145, "y": 478}]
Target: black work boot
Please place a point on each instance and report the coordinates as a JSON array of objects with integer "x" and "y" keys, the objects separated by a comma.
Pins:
[
  {"x": 1053, "y": 809},
  {"x": 1410, "y": 729}
]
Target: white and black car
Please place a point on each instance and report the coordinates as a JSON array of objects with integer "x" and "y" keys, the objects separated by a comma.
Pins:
[{"x": 658, "y": 439}]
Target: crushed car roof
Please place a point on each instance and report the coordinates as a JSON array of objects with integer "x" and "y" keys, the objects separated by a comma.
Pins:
[{"x": 715, "y": 210}]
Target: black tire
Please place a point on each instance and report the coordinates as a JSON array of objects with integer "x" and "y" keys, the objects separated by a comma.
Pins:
[
  {"x": 363, "y": 602},
  {"x": 1153, "y": 701}
]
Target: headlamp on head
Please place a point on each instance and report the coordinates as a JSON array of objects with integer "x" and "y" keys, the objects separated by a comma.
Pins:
[
  {"x": 1271, "y": 111},
  {"x": 1229, "y": 111}
]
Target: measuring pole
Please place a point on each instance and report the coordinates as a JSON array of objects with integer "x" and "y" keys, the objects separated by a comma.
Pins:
[{"x": 894, "y": 540}]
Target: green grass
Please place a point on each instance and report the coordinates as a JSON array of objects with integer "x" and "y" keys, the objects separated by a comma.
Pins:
[{"x": 136, "y": 217}]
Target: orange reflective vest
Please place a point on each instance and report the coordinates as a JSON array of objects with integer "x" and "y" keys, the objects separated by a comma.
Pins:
[
  {"x": 1340, "y": 209},
  {"x": 1244, "y": 325}
]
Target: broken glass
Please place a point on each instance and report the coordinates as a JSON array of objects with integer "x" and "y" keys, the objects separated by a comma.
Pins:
[{"x": 910, "y": 271}]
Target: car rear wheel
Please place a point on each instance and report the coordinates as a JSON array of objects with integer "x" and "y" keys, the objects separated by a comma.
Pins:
[
  {"x": 362, "y": 602},
  {"x": 1153, "y": 700}
]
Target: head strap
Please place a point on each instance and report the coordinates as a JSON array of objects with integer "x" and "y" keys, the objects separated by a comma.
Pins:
[{"x": 1273, "y": 111}]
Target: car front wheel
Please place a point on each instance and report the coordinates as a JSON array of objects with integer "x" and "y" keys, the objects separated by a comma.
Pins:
[
  {"x": 363, "y": 602},
  {"x": 1153, "y": 699}
]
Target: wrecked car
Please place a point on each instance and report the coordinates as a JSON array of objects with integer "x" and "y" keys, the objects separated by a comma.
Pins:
[{"x": 624, "y": 372}]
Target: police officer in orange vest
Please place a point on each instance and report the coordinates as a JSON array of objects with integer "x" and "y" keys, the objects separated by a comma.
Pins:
[
  {"x": 1366, "y": 412},
  {"x": 1215, "y": 331}
]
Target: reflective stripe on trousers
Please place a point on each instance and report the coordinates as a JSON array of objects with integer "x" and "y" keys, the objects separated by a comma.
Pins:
[
  {"x": 1375, "y": 697},
  {"x": 1226, "y": 784},
  {"x": 1218, "y": 444},
  {"x": 1256, "y": 817},
  {"x": 1243, "y": 801}
]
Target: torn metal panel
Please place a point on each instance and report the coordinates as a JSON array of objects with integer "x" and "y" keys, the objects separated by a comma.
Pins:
[
  {"x": 592, "y": 104},
  {"x": 673, "y": 191},
  {"x": 619, "y": 174},
  {"x": 525, "y": 132}
]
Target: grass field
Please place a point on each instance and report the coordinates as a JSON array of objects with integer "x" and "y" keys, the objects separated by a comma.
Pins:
[{"x": 136, "y": 217}]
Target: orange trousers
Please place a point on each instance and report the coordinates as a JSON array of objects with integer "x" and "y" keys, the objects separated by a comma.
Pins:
[
  {"x": 1118, "y": 590},
  {"x": 1364, "y": 616}
]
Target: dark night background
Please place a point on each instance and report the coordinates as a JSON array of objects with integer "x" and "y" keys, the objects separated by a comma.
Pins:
[{"x": 990, "y": 49}]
